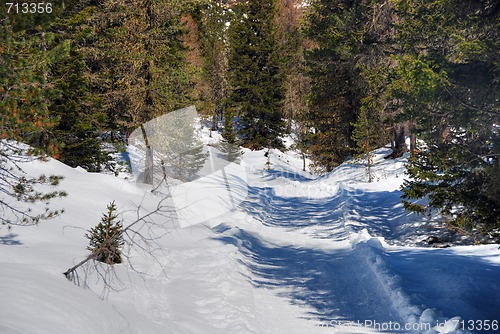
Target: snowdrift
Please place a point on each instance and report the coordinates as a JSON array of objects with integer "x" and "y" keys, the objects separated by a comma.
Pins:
[{"x": 297, "y": 254}]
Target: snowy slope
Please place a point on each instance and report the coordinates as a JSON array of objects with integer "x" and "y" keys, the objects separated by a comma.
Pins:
[{"x": 299, "y": 254}]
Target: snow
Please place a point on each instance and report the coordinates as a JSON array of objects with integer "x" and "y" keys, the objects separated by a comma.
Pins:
[{"x": 292, "y": 252}]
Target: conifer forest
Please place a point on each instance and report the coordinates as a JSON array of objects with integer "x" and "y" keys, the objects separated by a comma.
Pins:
[{"x": 342, "y": 77}]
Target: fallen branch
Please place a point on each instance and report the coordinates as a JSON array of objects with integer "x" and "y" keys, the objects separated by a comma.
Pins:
[{"x": 135, "y": 239}]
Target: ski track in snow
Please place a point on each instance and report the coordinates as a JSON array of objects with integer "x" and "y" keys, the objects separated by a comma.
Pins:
[
  {"x": 364, "y": 282},
  {"x": 298, "y": 255},
  {"x": 342, "y": 285}
]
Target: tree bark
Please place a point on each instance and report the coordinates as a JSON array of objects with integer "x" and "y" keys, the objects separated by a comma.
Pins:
[
  {"x": 148, "y": 163},
  {"x": 398, "y": 143}
]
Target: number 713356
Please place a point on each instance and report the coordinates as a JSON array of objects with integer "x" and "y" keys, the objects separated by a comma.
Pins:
[{"x": 29, "y": 7}]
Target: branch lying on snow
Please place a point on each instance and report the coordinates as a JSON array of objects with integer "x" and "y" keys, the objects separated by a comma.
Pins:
[{"x": 141, "y": 234}]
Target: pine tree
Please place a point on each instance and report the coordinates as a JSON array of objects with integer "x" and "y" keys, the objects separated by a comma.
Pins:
[
  {"x": 135, "y": 66},
  {"x": 292, "y": 43},
  {"x": 26, "y": 53},
  {"x": 182, "y": 151},
  {"x": 231, "y": 152},
  {"x": 366, "y": 134},
  {"x": 350, "y": 41},
  {"x": 76, "y": 106},
  {"x": 106, "y": 238},
  {"x": 296, "y": 84},
  {"x": 447, "y": 83},
  {"x": 255, "y": 74},
  {"x": 174, "y": 145},
  {"x": 211, "y": 17},
  {"x": 146, "y": 72}
]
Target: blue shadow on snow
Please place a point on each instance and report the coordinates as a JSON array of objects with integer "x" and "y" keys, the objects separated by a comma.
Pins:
[{"x": 332, "y": 284}]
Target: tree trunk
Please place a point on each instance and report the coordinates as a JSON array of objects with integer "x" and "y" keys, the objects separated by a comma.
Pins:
[
  {"x": 148, "y": 163},
  {"x": 369, "y": 164},
  {"x": 398, "y": 144},
  {"x": 413, "y": 139}
]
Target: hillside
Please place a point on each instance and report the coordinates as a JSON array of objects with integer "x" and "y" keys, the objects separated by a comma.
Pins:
[{"x": 294, "y": 254}]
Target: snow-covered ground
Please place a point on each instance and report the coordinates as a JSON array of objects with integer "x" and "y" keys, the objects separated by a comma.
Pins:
[{"x": 299, "y": 254}]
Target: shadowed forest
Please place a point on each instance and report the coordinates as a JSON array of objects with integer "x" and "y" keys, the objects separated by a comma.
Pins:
[{"x": 342, "y": 77}]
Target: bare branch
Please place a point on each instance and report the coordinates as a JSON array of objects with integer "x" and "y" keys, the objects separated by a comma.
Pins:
[{"x": 142, "y": 235}]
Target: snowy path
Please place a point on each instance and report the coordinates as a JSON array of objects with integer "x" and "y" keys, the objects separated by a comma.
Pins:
[
  {"x": 298, "y": 256},
  {"x": 339, "y": 285},
  {"x": 354, "y": 277}
]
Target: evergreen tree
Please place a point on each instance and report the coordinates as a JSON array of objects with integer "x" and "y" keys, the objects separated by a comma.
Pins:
[
  {"x": 212, "y": 16},
  {"x": 174, "y": 145},
  {"x": 350, "y": 42},
  {"x": 144, "y": 72},
  {"x": 231, "y": 152},
  {"x": 180, "y": 148},
  {"x": 255, "y": 74},
  {"x": 292, "y": 43},
  {"x": 447, "y": 83},
  {"x": 26, "y": 53},
  {"x": 76, "y": 106},
  {"x": 106, "y": 239},
  {"x": 366, "y": 135},
  {"x": 135, "y": 66},
  {"x": 296, "y": 84}
]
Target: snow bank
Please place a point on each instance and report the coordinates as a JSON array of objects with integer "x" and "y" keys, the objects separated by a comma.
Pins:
[{"x": 297, "y": 254}]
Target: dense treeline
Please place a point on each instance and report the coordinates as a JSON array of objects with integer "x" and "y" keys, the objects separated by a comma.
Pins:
[
  {"x": 447, "y": 85},
  {"x": 343, "y": 77}
]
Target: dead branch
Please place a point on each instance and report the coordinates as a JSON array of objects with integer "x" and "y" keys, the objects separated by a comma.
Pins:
[{"x": 139, "y": 235}]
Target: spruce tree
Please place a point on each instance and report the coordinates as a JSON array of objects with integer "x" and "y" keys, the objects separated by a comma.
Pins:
[
  {"x": 106, "y": 238},
  {"x": 143, "y": 72},
  {"x": 255, "y": 74},
  {"x": 447, "y": 83},
  {"x": 26, "y": 54},
  {"x": 211, "y": 17},
  {"x": 76, "y": 105},
  {"x": 350, "y": 43},
  {"x": 366, "y": 135}
]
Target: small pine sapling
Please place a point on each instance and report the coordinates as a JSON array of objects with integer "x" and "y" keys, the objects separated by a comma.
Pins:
[
  {"x": 366, "y": 135},
  {"x": 106, "y": 238}
]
